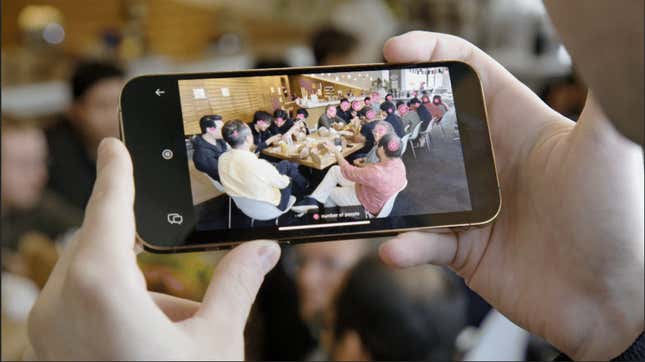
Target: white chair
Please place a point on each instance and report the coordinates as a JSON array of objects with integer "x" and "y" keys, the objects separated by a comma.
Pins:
[
  {"x": 413, "y": 137},
  {"x": 404, "y": 143},
  {"x": 221, "y": 189},
  {"x": 387, "y": 207},
  {"x": 425, "y": 134},
  {"x": 261, "y": 210}
]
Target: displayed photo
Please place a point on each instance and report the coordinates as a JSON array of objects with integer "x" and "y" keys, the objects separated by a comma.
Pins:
[{"x": 296, "y": 151}]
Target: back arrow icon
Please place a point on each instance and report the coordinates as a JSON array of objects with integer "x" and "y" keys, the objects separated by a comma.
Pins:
[{"x": 159, "y": 92}]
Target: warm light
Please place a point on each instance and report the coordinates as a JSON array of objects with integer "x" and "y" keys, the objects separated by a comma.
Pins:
[{"x": 54, "y": 33}]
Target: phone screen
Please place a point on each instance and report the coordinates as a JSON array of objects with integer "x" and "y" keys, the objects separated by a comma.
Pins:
[{"x": 264, "y": 150}]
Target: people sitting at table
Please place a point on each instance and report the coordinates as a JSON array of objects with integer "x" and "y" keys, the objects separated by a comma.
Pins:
[
  {"x": 370, "y": 186},
  {"x": 263, "y": 137},
  {"x": 409, "y": 117},
  {"x": 380, "y": 129},
  {"x": 388, "y": 108},
  {"x": 243, "y": 174},
  {"x": 329, "y": 118},
  {"x": 344, "y": 110},
  {"x": 209, "y": 145},
  {"x": 281, "y": 123}
]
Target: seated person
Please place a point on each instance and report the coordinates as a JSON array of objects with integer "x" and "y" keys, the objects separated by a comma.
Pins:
[
  {"x": 380, "y": 129},
  {"x": 367, "y": 101},
  {"x": 343, "y": 110},
  {"x": 388, "y": 109},
  {"x": 281, "y": 122},
  {"x": 263, "y": 137},
  {"x": 418, "y": 316},
  {"x": 370, "y": 186},
  {"x": 389, "y": 97},
  {"x": 243, "y": 174},
  {"x": 301, "y": 117},
  {"x": 409, "y": 117},
  {"x": 356, "y": 107},
  {"x": 437, "y": 108},
  {"x": 425, "y": 99},
  {"x": 422, "y": 111},
  {"x": 209, "y": 145},
  {"x": 329, "y": 118}
]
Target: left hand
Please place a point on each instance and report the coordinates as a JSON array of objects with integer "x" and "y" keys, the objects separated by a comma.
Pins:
[{"x": 95, "y": 304}]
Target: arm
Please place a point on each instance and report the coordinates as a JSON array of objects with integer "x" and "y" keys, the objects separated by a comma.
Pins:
[
  {"x": 360, "y": 175},
  {"x": 270, "y": 175}
]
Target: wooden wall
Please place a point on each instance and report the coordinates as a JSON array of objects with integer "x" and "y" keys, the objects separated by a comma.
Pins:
[
  {"x": 313, "y": 84},
  {"x": 246, "y": 95}
]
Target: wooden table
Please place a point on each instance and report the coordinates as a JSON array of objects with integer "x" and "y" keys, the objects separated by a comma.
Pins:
[{"x": 327, "y": 159}]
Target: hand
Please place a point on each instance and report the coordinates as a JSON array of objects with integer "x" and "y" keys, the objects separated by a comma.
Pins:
[
  {"x": 273, "y": 139},
  {"x": 360, "y": 162},
  {"x": 564, "y": 258},
  {"x": 95, "y": 304}
]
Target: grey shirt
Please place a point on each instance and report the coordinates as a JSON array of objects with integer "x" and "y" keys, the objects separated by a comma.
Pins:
[
  {"x": 325, "y": 121},
  {"x": 410, "y": 120}
]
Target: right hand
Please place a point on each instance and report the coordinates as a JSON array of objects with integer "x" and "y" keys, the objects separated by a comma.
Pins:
[
  {"x": 564, "y": 258},
  {"x": 95, "y": 304}
]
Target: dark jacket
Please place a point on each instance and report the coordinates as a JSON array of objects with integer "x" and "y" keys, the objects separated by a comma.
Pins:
[
  {"x": 283, "y": 129},
  {"x": 425, "y": 117},
  {"x": 396, "y": 123},
  {"x": 72, "y": 170},
  {"x": 259, "y": 138},
  {"x": 205, "y": 155},
  {"x": 345, "y": 115}
]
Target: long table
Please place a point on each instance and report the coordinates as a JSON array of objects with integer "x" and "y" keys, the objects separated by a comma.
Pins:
[{"x": 324, "y": 160}]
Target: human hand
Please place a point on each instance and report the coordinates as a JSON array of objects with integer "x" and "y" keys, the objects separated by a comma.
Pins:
[
  {"x": 273, "y": 139},
  {"x": 95, "y": 304},
  {"x": 359, "y": 162},
  {"x": 564, "y": 258}
]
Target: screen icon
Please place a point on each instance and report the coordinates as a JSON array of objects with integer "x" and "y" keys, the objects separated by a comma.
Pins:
[
  {"x": 167, "y": 154},
  {"x": 175, "y": 218},
  {"x": 159, "y": 92}
]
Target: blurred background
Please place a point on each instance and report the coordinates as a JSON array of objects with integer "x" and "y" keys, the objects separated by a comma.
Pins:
[{"x": 63, "y": 65}]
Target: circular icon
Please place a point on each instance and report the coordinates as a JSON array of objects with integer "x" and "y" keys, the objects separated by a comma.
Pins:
[{"x": 167, "y": 154}]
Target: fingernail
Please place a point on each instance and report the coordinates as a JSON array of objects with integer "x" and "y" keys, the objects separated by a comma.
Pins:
[
  {"x": 269, "y": 254},
  {"x": 101, "y": 154}
]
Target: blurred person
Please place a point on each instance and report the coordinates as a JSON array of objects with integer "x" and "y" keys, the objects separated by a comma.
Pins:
[
  {"x": 243, "y": 174},
  {"x": 606, "y": 241},
  {"x": 409, "y": 117},
  {"x": 388, "y": 109},
  {"x": 73, "y": 140},
  {"x": 424, "y": 116},
  {"x": 370, "y": 186},
  {"x": 329, "y": 118},
  {"x": 332, "y": 46},
  {"x": 27, "y": 206},
  {"x": 437, "y": 108},
  {"x": 379, "y": 129},
  {"x": 343, "y": 110},
  {"x": 385, "y": 314},
  {"x": 209, "y": 145},
  {"x": 281, "y": 123},
  {"x": 357, "y": 105},
  {"x": 301, "y": 117},
  {"x": 389, "y": 98},
  {"x": 375, "y": 98},
  {"x": 263, "y": 136},
  {"x": 565, "y": 95},
  {"x": 367, "y": 102}
]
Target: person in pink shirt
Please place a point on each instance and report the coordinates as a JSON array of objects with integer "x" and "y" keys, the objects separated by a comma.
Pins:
[{"x": 370, "y": 186}]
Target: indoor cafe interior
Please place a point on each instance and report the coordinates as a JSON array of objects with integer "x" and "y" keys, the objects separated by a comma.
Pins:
[{"x": 64, "y": 63}]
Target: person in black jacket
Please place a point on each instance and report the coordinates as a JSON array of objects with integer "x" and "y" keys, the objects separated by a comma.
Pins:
[
  {"x": 344, "y": 110},
  {"x": 209, "y": 145},
  {"x": 281, "y": 123},
  {"x": 263, "y": 136},
  {"x": 391, "y": 118}
]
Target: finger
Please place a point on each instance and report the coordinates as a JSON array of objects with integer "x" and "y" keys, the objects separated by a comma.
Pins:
[
  {"x": 236, "y": 282},
  {"x": 415, "y": 248},
  {"x": 177, "y": 309},
  {"x": 109, "y": 228}
]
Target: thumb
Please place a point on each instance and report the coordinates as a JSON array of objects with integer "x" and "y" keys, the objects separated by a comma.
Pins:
[
  {"x": 415, "y": 248},
  {"x": 235, "y": 284}
]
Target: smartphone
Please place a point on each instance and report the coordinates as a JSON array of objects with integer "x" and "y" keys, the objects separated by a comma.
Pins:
[{"x": 442, "y": 176}]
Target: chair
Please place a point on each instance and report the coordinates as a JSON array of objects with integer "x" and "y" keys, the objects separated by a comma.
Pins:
[
  {"x": 413, "y": 137},
  {"x": 221, "y": 189},
  {"x": 387, "y": 207},
  {"x": 261, "y": 210},
  {"x": 404, "y": 143},
  {"x": 425, "y": 134}
]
